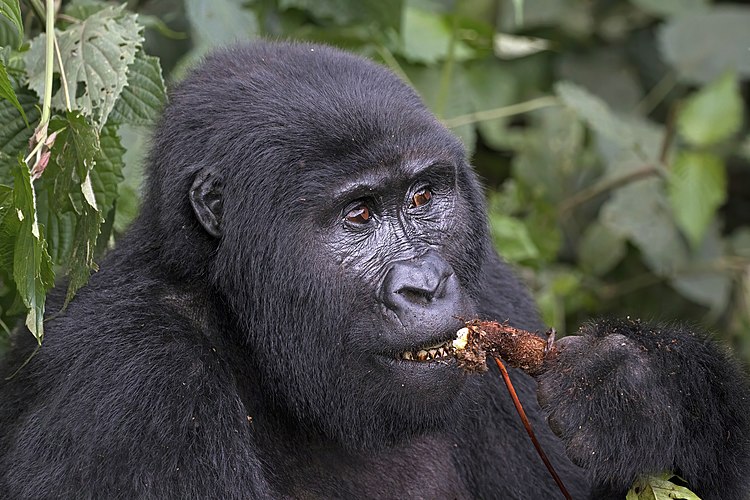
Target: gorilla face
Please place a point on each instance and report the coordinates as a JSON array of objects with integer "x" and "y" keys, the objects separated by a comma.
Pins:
[{"x": 342, "y": 225}]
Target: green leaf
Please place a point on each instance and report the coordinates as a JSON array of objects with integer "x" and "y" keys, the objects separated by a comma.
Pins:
[
  {"x": 427, "y": 37},
  {"x": 712, "y": 114},
  {"x": 220, "y": 22},
  {"x": 640, "y": 212},
  {"x": 594, "y": 111},
  {"x": 427, "y": 80},
  {"x": 135, "y": 144},
  {"x": 492, "y": 86},
  {"x": 32, "y": 266},
  {"x": 7, "y": 92},
  {"x": 96, "y": 54},
  {"x": 697, "y": 187},
  {"x": 8, "y": 229},
  {"x": 511, "y": 238},
  {"x": 76, "y": 146},
  {"x": 107, "y": 171},
  {"x": 88, "y": 226},
  {"x": 667, "y": 8},
  {"x": 145, "y": 94},
  {"x": 59, "y": 230},
  {"x": 75, "y": 161},
  {"x": 550, "y": 162},
  {"x": 701, "y": 280},
  {"x": 14, "y": 133},
  {"x": 702, "y": 45},
  {"x": 12, "y": 10},
  {"x": 84, "y": 8},
  {"x": 600, "y": 249},
  {"x": 659, "y": 488},
  {"x": 9, "y": 36}
]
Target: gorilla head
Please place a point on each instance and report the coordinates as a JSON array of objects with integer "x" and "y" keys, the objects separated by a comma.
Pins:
[{"x": 337, "y": 222}]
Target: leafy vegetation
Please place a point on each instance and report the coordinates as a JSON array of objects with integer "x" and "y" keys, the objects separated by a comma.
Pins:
[
  {"x": 61, "y": 168},
  {"x": 611, "y": 135}
]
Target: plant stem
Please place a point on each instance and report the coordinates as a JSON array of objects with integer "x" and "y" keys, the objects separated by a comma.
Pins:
[
  {"x": 49, "y": 62},
  {"x": 529, "y": 430},
  {"x": 503, "y": 112},
  {"x": 62, "y": 76},
  {"x": 393, "y": 64},
  {"x": 608, "y": 184},
  {"x": 446, "y": 77}
]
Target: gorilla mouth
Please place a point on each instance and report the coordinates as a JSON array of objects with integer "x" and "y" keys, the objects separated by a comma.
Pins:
[{"x": 439, "y": 352}]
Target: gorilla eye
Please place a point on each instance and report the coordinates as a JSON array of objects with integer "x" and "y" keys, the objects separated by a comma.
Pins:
[
  {"x": 421, "y": 197},
  {"x": 359, "y": 215}
]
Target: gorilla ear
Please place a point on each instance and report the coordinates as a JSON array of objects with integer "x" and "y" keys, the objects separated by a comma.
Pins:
[{"x": 206, "y": 199}]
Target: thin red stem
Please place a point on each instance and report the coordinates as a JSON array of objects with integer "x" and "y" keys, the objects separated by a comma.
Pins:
[{"x": 529, "y": 430}]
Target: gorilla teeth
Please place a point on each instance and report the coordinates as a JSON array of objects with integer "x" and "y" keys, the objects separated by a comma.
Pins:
[{"x": 441, "y": 351}]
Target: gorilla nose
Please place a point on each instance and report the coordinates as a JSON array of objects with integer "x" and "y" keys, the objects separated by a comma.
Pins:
[{"x": 417, "y": 287}]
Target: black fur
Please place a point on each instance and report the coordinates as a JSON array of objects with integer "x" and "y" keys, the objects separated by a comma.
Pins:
[{"x": 231, "y": 345}]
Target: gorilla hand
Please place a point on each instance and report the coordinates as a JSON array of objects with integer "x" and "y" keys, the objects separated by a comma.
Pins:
[{"x": 627, "y": 398}]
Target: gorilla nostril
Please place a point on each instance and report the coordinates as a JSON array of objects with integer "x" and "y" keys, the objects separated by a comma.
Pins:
[
  {"x": 417, "y": 284},
  {"x": 416, "y": 296}
]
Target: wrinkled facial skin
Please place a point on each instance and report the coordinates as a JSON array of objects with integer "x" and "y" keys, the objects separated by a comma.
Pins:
[
  {"x": 391, "y": 237},
  {"x": 350, "y": 242}
]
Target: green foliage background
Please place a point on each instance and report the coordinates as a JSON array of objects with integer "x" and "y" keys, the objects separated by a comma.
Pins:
[{"x": 611, "y": 135}]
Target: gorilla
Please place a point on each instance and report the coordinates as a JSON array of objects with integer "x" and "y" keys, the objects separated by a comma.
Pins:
[{"x": 308, "y": 227}]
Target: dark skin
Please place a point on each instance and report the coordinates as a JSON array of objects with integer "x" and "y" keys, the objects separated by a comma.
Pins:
[{"x": 271, "y": 326}]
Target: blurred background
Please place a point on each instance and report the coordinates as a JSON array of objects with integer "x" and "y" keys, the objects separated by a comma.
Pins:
[{"x": 610, "y": 133}]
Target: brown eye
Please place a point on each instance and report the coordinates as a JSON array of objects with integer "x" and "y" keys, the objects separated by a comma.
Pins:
[
  {"x": 359, "y": 215},
  {"x": 421, "y": 197}
]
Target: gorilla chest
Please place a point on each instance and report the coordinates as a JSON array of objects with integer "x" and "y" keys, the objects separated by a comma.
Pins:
[{"x": 421, "y": 469}]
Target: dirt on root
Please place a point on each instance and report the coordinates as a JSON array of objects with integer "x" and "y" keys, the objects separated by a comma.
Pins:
[{"x": 518, "y": 348}]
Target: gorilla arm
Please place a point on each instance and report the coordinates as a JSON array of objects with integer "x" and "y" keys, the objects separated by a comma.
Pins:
[
  {"x": 137, "y": 410},
  {"x": 630, "y": 399}
]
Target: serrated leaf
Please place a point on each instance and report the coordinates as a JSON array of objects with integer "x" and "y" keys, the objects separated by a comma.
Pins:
[
  {"x": 32, "y": 266},
  {"x": 220, "y": 22},
  {"x": 697, "y": 187},
  {"x": 107, "y": 172},
  {"x": 11, "y": 9},
  {"x": 712, "y": 114},
  {"x": 7, "y": 92},
  {"x": 96, "y": 54},
  {"x": 14, "y": 134},
  {"x": 145, "y": 94},
  {"x": 82, "y": 263},
  {"x": 9, "y": 36},
  {"x": 8, "y": 230},
  {"x": 641, "y": 213},
  {"x": 703, "y": 45},
  {"x": 74, "y": 151},
  {"x": 135, "y": 147},
  {"x": 60, "y": 230},
  {"x": 99, "y": 188}
]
